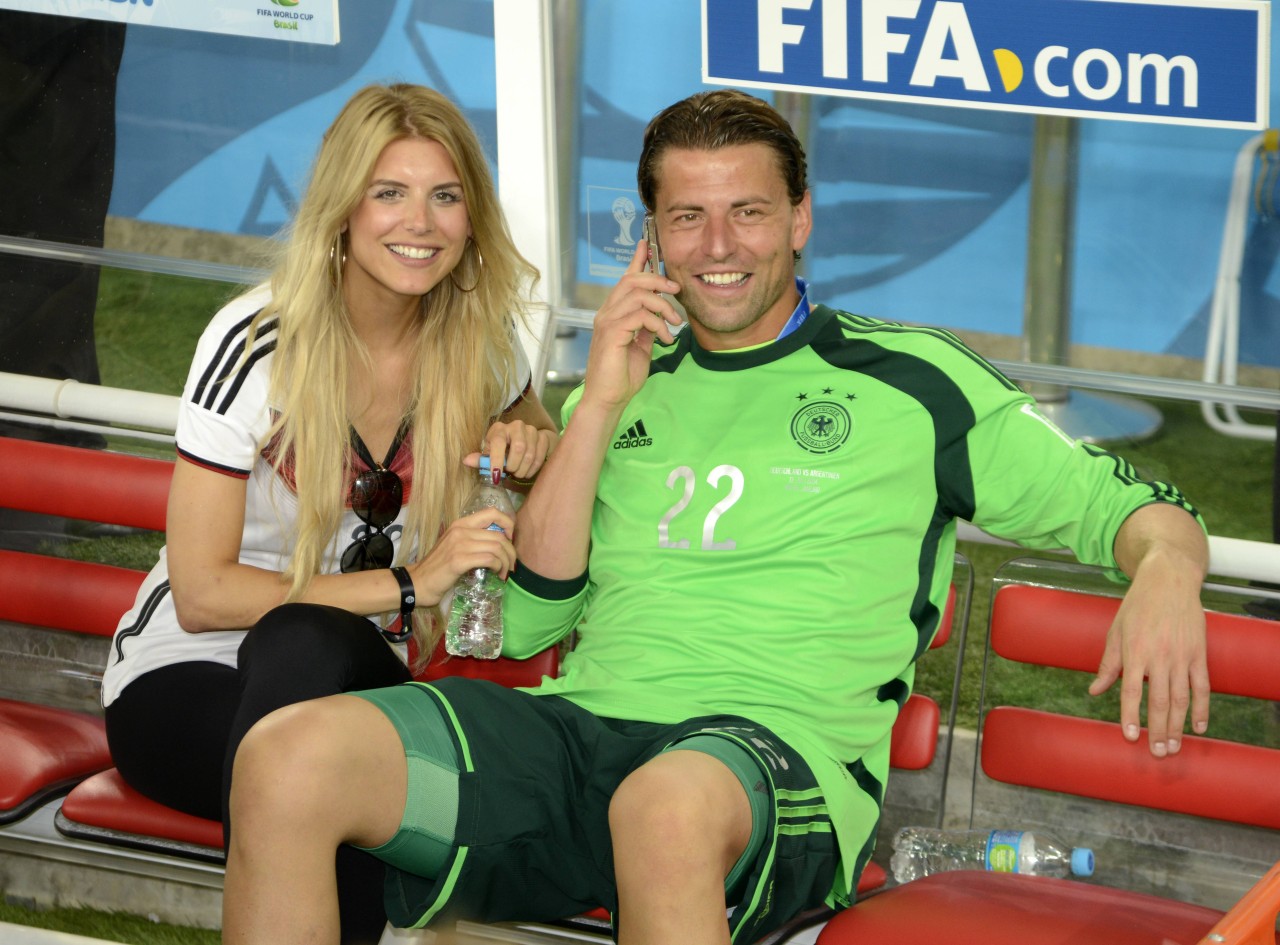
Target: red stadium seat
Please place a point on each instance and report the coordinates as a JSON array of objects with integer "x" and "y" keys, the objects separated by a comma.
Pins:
[
  {"x": 105, "y": 809},
  {"x": 63, "y": 594},
  {"x": 1005, "y": 909},
  {"x": 1077, "y": 767},
  {"x": 93, "y": 485},
  {"x": 505, "y": 671},
  {"x": 43, "y": 752}
]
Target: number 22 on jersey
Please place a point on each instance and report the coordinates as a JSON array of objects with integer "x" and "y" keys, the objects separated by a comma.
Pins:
[{"x": 685, "y": 480}]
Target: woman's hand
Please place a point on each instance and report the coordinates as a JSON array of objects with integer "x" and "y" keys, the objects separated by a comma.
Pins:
[
  {"x": 520, "y": 440},
  {"x": 468, "y": 543},
  {"x": 516, "y": 446}
]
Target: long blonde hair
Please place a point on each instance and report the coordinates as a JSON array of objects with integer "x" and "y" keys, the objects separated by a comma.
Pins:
[{"x": 465, "y": 345}]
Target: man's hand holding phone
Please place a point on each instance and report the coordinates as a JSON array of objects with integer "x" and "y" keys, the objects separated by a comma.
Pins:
[{"x": 636, "y": 312}]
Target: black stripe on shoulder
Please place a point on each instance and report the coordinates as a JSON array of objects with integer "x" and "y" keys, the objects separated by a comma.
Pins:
[
  {"x": 211, "y": 369},
  {"x": 931, "y": 387},
  {"x": 147, "y": 611},
  {"x": 231, "y": 363},
  {"x": 258, "y": 354},
  {"x": 1123, "y": 470},
  {"x": 861, "y": 324}
]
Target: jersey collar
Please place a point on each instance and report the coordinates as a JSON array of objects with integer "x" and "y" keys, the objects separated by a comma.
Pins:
[{"x": 800, "y": 314}]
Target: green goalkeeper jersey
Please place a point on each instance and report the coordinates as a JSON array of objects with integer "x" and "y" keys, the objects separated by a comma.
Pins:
[{"x": 774, "y": 532}]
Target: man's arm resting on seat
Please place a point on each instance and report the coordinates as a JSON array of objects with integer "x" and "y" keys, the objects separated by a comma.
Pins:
[{"x": 1159, "y": 631}]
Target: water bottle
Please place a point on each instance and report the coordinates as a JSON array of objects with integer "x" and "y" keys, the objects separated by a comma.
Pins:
[
  {"x": 475, "y": 615},
  {"x": 920, "y": 851}
]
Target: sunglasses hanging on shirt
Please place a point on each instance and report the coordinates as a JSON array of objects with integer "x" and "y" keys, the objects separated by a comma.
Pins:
[{"x": 376, "y": 497}]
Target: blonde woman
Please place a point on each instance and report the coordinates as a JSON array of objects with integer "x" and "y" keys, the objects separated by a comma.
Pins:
[{"x": 323, "y": 440}]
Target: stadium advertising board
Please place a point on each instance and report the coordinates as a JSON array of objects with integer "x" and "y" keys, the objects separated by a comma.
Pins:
[
  {"x": 1198, "y": 62},
  {"x": 302, "y": 21}
]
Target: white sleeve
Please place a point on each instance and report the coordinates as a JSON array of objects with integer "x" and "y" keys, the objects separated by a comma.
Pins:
[
  {"x": 521, "y": 378},
  {"x": 523, "y": 375},
  {"x": 224, "y": 413}
]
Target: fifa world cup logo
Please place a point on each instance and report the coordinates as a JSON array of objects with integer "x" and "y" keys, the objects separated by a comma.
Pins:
[{"x": 624, "y": 211}]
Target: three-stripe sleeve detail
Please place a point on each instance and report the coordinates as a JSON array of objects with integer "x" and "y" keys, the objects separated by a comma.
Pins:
[{"x": 231, "y": 364}]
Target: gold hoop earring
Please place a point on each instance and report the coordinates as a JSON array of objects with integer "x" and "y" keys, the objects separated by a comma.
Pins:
[
  {"x": 337, "y": 260},
  {"x": 479, "y": 266}
]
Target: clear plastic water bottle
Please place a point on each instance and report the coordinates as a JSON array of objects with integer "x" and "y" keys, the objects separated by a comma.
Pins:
[
  {"x": 475, "y": 615},
  {"x": 921, "y": 851}
]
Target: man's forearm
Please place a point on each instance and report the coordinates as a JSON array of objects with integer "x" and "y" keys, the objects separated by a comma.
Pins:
[
  {"x": 1159, "y": 632},
  {"x": 1165, "y": 534},
  {"x": 553, "y": 527}
]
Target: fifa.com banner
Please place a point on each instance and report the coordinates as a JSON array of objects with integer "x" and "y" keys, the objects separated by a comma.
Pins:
[
  {"x": 300, "y": 21},
  {"x": 1190, "y": 62}
]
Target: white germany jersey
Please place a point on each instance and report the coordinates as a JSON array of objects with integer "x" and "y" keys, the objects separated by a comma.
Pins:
[{"x": 223, "y": 421}]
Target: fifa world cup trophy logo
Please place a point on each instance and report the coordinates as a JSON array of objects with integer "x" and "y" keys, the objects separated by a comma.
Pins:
[{"x": 624, "y": 211}]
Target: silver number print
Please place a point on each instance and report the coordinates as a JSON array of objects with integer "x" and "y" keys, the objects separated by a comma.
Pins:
[
  {"x": 685, "y": 478},
  {"x": 664, "y": 527},
  {"x": 734, "y": 475}
]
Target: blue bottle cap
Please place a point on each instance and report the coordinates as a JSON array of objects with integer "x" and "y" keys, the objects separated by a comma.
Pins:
[
  {"x": 485, "y": 467},
  {"x": 1082, "y": 861}
]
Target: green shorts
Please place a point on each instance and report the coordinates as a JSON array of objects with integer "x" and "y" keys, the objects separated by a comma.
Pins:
[{"x": 535, "y": 777}]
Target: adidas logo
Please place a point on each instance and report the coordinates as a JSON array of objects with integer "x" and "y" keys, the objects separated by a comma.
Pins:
[{"x": 636, "y": 436}]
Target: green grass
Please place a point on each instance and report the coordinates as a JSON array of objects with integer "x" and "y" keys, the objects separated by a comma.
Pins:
[
  {"x": 147, "y": 326},
  {"x": 138, "y": 551},
  {"x": 109, "y": 926}
]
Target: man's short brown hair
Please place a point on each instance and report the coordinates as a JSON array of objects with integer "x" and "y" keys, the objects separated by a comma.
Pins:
[{"x": 721, "y": 118}]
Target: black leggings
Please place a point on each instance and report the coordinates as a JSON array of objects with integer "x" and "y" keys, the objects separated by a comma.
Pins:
[{"x": 173, "y": 732}]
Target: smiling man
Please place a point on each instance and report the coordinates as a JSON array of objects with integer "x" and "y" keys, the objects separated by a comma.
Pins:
[
  {"x": 750, "y": 525},
  {"x": 729, "y": 231}
]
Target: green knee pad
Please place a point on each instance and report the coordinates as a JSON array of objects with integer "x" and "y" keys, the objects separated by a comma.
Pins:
[{"x": 422, "y": 844}]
